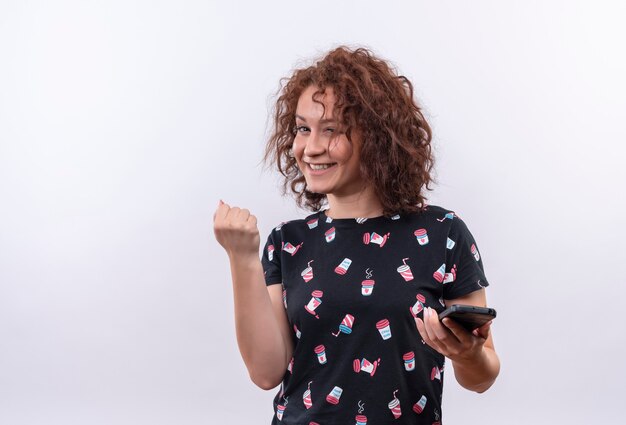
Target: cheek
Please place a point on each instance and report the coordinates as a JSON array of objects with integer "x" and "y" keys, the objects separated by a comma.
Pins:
[{"x": 297, "y": 147}]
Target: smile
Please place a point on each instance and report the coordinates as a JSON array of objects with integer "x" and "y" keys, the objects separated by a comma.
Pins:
[{"x": 317, "y": 169}]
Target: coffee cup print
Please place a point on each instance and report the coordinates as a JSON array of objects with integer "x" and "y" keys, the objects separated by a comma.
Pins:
[
  {"x": 330, "y": 234},
  {"x": 409, "y": 361},
  {"x": 375, "y": 238},
  {"x": 441, "y": 271},
  {"x": 405, "y": 271},
  {"x": 288, "y": 247},
  {"x": 394, "y": 406},
  {"x": 312, "y": 223},
  {"x": 422, "y": 236},
  {"x": 306, "y": 397},
  {"x": 320, "y": 350},
  {"x": 419, "y": 406},
  {"x": 280, "y": 410},
  {"x": 384, "y": 328},
  {"x": 475, "y": 252},
  {"x": 365, "y": 366},
  {"x": 307, "y": 274},
  {"x": 361, "y": 420},
  {"x": 343, "y": 267},
  {"x": 316, "y": 300},
  {"x": 367, "y": 287},
  {"x": 418, "y": 306},
  {"x": 346, "y": 325},
  {"x": 334, "y": 396},
  {"x": 450, "y": 243},
  {"x": 270, "y": 252}
]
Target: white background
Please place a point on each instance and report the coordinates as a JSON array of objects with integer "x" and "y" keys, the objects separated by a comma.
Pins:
[{"x": 122, "y": 123}]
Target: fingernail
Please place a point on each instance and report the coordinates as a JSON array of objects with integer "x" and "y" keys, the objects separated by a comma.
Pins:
[{"x": 221, "y": 202}]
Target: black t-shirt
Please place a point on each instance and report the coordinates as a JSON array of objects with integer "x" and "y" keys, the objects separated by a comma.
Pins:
[{"x": 352, "y": 288}]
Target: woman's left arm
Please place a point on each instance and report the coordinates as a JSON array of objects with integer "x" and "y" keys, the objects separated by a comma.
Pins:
[{"x": 476, "y": 364}]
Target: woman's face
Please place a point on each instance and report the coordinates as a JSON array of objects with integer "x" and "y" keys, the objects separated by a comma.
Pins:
[{"x": 327, "y": 159}]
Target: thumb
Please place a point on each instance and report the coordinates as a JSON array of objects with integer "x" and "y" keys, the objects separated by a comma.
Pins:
[{"x": 483, "y": 331}]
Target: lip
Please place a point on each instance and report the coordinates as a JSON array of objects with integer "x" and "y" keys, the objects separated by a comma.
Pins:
[{"x": 319, "y": 172}]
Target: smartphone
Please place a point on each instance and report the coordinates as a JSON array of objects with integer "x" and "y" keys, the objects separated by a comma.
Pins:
[{"x": 469, "y": 316}]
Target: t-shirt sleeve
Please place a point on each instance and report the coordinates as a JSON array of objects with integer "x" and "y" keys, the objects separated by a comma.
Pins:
[
  {"x": 270, "y": 259},
  {"x": 464, "y": 264}
]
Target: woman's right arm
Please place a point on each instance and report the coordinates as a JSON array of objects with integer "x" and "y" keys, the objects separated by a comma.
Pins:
[{"x": 261, "y": 323}]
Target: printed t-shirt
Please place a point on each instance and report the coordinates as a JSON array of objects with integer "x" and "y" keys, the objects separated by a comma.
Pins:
[{"x": 352, "y": 289}]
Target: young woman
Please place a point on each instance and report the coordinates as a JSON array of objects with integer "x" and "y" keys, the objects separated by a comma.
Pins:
[{"x": 342, "y": 308}]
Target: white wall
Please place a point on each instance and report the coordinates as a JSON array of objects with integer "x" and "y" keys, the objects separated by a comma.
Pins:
[{"x": 123, "y": 122}]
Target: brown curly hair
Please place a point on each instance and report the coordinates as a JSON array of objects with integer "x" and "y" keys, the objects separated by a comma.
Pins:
[{"x": 396, "y": 155}]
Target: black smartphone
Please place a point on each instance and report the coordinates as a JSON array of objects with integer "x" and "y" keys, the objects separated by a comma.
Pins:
[{"x": 469, "y": 316}]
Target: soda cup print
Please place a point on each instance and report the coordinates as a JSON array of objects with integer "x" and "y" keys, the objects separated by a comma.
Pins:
[
  {"x": 418, "y": 306},
  {"x": 346, "y": 325},
  {"x": 330, "y": 234},
  {"x": 405, "y": 271},
  {"x": 343, "y": 267},
  {"x": 365, "y": 366},
  {"x": 395, "y": 217},
  {"x": 375, "y": 238},
  {"x": 422, "y": 236},
  {"x": 361, "y": 420},
  {"x": 394, "y": 406},
  {"x": 435, "y": 374},
  {"x": 409, "y": 361},
  {"x": 450, "y": 277},
  {"x": 270, "y": 252},
  {"x": 285, "y": 298},
  {"x": 306, "y": 397},
  {"x": 449, "y": 215},
  {"x": 280, "y": 409},
  {"x": 361, "y": 220},
  {"x": 288, "y": 247},
  {"x": 334, "y": 396},
  {"x": 475, "y": 252},
  {"x": 312, "y": 223},
  {"x": 314, "y": 302},
  {"x": 384, "y": 328},
  {"x": 307, "y": 274},
  {"x": 320, "y": 350},
  {"x": 450, "y": 243},
  {"x": 290, "y": 366},
  {"x": 438, "y": 275},
  {"x": 367, "y": 287},
  {"x": 419, "y": 406},
  {"x": 297, "y": 331}
]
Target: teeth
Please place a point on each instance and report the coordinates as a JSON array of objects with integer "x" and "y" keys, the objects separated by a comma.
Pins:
[{"x": 320, "y": 166}]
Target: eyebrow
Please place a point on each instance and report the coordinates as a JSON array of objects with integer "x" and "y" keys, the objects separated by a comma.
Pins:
[{"x": 322, "y": 121}]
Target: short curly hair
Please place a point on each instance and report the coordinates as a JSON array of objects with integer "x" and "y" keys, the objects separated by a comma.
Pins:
[{"x": 396, "y": 154}]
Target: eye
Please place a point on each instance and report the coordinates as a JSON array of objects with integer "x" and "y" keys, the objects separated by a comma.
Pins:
[
  {"x": 302, "y": 129},
  {"x": 329, "y": 130}
]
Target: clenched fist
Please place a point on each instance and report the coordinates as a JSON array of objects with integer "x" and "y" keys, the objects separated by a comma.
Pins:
[{"x": 236, "y": 230}]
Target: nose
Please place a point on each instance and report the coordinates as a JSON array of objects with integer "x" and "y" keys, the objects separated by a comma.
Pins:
[{"x": 315, "y": 144}]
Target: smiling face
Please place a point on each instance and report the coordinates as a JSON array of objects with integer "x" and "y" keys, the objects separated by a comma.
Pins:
[{"x": 328, "y": 160}]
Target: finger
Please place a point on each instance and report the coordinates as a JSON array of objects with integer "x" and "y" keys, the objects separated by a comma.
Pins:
[
  {"x": 422, "y": 331},
  {"x": 232, "y": 213},
  {"x": 253, "y": 220},
  {"x": 457, "y": 330},
  {"x": 483, "y": 331},
  {"x": 221, "y": 212},
  {"x": 244, "y": 214},
  {"x": 430, "y": 316}
]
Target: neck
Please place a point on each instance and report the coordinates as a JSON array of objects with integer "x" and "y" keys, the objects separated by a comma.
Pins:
[{"x": 364, "y": 204}]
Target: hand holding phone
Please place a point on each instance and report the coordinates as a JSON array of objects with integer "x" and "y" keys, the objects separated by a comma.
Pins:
[{"x": 469, "y": 316}]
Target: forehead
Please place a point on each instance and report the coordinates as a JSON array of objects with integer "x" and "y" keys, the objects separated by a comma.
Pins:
[{"x": 308, "y": 108}]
